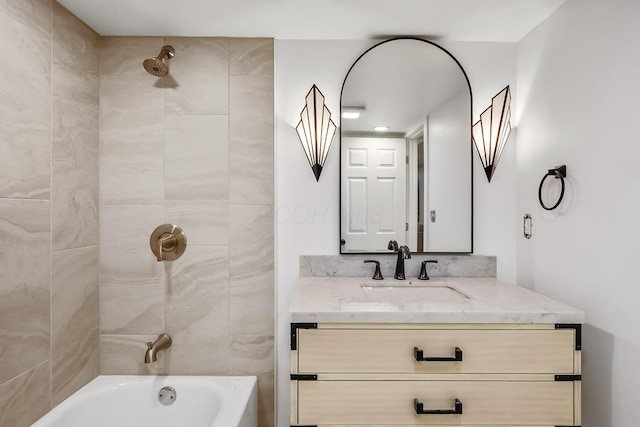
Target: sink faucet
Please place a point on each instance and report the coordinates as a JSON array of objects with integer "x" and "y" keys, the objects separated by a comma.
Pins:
[
  {"x": 403, "y": 253},
  {"x": 161, "y": 343}
]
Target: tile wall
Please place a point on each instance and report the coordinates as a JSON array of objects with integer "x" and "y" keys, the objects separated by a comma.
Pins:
[
  {"x": 194, "y": 149},
  {"x": 49, "y": 331}
]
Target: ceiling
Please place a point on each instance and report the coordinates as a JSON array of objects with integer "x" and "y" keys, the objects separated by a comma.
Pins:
[{"x": 464, "y": 20}]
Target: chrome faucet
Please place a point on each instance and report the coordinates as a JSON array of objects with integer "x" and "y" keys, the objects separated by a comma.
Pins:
[
  {"x": 162, "y": 343},
  {"x": 403, "y": 253}
]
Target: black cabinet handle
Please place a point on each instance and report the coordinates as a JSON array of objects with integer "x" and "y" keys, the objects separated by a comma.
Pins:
[
  {"x": 419, "y": 355},
  {"x": 419, "y": 406}
]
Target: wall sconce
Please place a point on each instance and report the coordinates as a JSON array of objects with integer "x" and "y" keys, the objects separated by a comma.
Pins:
[
  {"x": 316, "y": 130},
  {"x": 491, "y": 132}
]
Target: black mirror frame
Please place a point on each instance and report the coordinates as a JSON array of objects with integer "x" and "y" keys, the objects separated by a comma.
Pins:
[{"x": 471, "y": 147}]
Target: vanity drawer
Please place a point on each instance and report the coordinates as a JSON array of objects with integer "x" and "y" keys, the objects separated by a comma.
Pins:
[
  {"x": 392, "y": 402},
  {"x": 484, "y": 351}
]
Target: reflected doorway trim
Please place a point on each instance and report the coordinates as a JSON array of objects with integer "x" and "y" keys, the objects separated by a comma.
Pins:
[{"x": 412, "y": 186}]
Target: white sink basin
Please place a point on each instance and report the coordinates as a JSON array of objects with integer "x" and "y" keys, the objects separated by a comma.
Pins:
[{"x": 412, "y": 291}]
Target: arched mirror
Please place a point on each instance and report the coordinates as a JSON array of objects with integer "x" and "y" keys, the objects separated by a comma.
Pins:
[{"x": 406, "y": 151}]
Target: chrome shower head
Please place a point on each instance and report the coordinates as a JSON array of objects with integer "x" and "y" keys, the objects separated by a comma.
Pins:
[{"x": 159, "y": 65}]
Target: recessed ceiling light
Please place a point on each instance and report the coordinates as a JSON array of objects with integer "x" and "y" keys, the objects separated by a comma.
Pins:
[{"x": 381, "y": 128}]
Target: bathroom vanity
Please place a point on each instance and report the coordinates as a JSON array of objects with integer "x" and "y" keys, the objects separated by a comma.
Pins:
[{"x": 449, "y": 351}]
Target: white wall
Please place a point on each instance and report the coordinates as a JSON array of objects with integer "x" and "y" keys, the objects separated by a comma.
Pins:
[
  {"x": 307, "y": 213},
  {"x": 447, "y": 128},
  {"x": 578, "y": 92}
]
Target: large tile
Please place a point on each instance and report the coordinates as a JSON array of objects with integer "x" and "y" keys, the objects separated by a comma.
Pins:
[
  {"x": 266, "y": 400},
  {"x": 132, "y": 293},
  {"x": 26, "y": 398},
  {"x": 251, "y": 240},
  {"x": 124, "y": 355},
  {"x": 25, "y": 109},
  {"x": 132, "y": 310},
  {"x": 251, "y": 269},
  {"x": 75, "y": 334},
  {"x": 125, "y": 252},
  {"x": 251, "y": 304},
  {"x": 74, "y": 189},
  {"x": 197, "y": 312},
  {"x": 254, "y": 355},
  {"x": 251, "y": 56},
  {"x": 204, "y": 222},
  {"x": 251, "y": 140},
  {"x": 199, "y": 76},
  {"x": 35, "y": 14},
  {"x": 123, "y": 56},
  {"x": 24, "y": 288},
  {"x": 197, "y": 294},
  {"x": 75, "y": 69},
  {"x": 251, "y": 354},
  {"x": 188, "y": 357},
  {"x": 131, "y": 141},
  {"x": 196, "y": 164}
]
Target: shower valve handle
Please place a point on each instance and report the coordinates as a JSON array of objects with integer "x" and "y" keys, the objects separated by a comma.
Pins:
[{"x": 168, "y": 242}]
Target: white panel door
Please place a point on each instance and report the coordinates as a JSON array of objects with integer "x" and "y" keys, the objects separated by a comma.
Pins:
[{"x": 373, "y": 193}]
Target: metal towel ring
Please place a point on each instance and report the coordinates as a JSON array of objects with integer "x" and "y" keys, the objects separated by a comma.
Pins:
[{"x": 559, "y": 172}]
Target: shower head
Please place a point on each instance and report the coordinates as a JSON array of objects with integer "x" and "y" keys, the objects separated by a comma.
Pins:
[
  {"x": 155, "y": 67},
  {"x": 159, "y": 65}
]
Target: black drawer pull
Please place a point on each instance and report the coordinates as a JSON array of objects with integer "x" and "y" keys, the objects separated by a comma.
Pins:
[
  {"x": 421, "y": 411},
  {"x": 419, "y": 355}
]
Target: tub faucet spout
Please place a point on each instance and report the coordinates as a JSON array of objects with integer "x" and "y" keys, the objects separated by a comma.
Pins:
[{"x": 162, "y": 343}]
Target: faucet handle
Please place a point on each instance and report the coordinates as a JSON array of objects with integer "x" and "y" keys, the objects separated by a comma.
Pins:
[
  {"x": 377, "y": 275},
  {"x": 168, "y": 242},
  {"x": 393, "y": 246},
  {"x": 406, "y": 252},
  {"x": 423, "y": 269}
]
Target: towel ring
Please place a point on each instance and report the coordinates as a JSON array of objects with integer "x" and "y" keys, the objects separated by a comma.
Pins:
[{"x": 559, "y": 172}]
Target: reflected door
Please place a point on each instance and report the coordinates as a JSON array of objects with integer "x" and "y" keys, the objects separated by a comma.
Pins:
[{"x": 373, "y": 192}]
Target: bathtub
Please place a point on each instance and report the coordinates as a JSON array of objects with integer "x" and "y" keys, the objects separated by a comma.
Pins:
[{"x": 132, "y": 401}]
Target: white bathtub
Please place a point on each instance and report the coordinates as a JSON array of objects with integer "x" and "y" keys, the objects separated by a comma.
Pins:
[{"x": 132, "y": 401}]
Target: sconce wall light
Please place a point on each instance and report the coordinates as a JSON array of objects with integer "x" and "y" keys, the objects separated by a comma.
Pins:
[
  {"x": 316, "y": 130},
  {"x": 491, "y": 132}
]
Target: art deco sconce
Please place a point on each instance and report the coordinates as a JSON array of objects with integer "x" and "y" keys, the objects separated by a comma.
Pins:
[
  {"x": 316, "y": 130},
  {"x": 491, "y": 132}
]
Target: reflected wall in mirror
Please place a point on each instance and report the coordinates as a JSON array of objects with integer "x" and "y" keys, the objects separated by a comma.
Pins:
[{"x": 413, "y": 181}]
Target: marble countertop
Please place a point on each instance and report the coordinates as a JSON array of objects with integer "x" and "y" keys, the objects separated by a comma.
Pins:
[{"x": 458, "y": 300}]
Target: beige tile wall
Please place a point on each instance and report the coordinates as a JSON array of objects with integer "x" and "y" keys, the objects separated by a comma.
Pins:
[
  {"x": 194, "y": 149},
  {"x": 49, "y": 331}
]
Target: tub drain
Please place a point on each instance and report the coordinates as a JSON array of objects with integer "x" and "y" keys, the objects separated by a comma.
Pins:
[{"x": 167, "y": 395}]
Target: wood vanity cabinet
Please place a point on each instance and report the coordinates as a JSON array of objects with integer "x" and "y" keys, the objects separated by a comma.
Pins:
[{"x": 435, "y": 374}]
